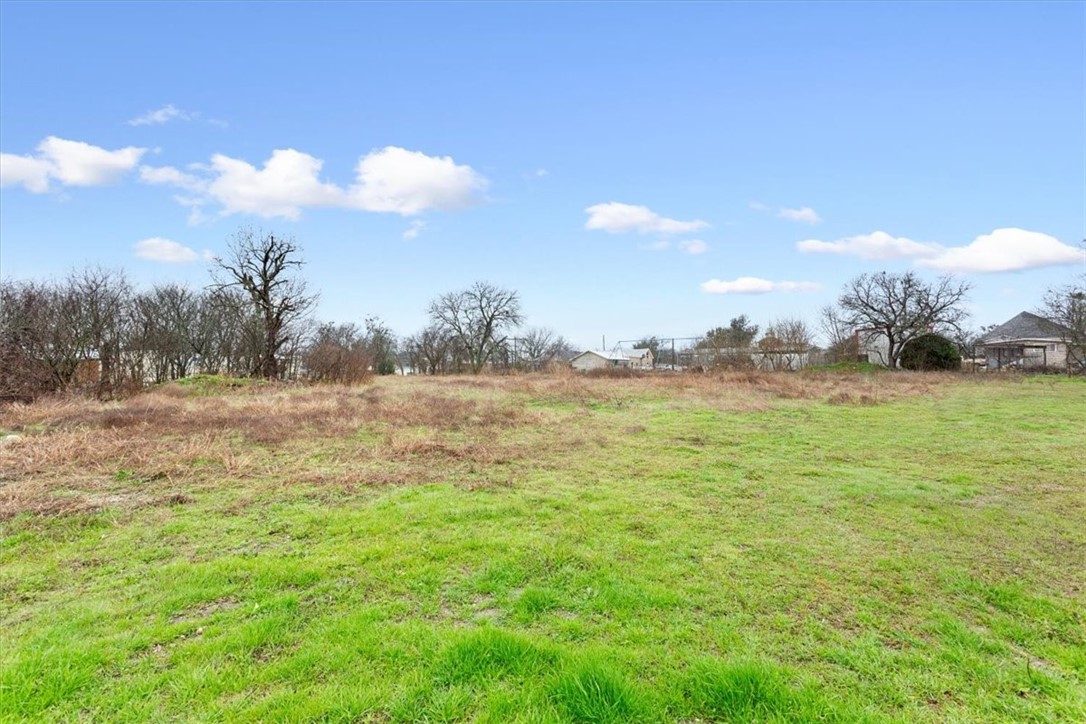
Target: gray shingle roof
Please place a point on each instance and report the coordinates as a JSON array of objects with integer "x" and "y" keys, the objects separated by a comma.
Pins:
[{"x": 1025, "y": 326}]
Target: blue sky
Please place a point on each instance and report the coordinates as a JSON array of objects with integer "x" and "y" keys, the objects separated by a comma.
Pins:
[{"x": 631, "y": 169}]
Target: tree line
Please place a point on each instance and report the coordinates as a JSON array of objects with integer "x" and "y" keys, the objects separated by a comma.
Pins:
[{"x": 254, "y": 318}]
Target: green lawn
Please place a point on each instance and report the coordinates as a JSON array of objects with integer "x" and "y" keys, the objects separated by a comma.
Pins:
[{"x": 850, "y": 547}]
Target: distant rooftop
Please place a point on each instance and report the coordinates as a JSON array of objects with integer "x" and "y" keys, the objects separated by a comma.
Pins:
[{"x": 1025, "y": 326}]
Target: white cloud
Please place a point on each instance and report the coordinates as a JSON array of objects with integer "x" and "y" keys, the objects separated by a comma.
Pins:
[
  {"x": 389, "y": 180},
  {"x": 693, "y": 246},
  {"x": 165, "y": 251},
  {"x": 754, "y": 285},
  {"x": 287, "y": 183},
  {"x": 165, "y": 114},
  {"x": 71, "y": 163},
  {"x": 406, "y": 182},
  {"x": 32, "y": 173},
  {"x": 1004, "y": 250},
  {"x": 413, "y": 230},
  {"x": 170, "y": 176},
  {"x": 805, "y": 215},
  {"x": 617, "y": 218},
  {"x": 875, "y": 246}
]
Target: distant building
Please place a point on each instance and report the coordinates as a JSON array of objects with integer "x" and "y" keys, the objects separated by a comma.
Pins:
[
  {"x": 1027, "y": 341},
  {"x": 593, "y": 360},
  {"x": 872, "y": 346},
  {"x": 639, "y": 358}
]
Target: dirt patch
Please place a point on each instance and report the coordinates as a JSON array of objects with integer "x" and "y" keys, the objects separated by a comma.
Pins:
[{"x": 205, "y": 609}]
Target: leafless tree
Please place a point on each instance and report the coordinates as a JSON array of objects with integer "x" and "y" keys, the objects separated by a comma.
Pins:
[
  {"x": 264, "y": 266},
  {"x": 478, "y": 317},
  {"x": 839, "y": 335},
  {"x": 381, "y": 343},
  {"x": 1065, "y": 306},
  {"x": 31, "y": 364},
  {"x": 785, "y": 344},
  {"x": 337, "y": 353},
  {"x": 430, "y": 350},
  {"x": 100, "y": 300},
  {"x": 901, "y": 307},
  {"x": 537, "y": 347}
]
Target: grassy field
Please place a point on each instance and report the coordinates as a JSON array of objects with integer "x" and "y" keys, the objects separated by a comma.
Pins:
[{"x": 746, "y": 547}]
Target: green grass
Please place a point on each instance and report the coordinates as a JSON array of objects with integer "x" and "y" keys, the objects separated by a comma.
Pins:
[{"x": 591, "y": 550}]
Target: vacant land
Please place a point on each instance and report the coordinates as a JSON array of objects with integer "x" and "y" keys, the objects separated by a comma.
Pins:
[{"x": 747, "y": 547}]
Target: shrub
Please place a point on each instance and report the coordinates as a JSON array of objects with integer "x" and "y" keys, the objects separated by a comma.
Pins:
[{"x": 931, "y": 352}]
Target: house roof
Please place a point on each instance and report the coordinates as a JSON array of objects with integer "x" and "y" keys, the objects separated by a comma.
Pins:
[
  {"x": 635, "y": 353},
  {"x": 1025, "y": 326},
  {"x": 605, "y": 355}
]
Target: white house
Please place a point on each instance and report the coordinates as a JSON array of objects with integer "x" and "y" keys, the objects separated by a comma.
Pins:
[{"x": 639, "y": 358}]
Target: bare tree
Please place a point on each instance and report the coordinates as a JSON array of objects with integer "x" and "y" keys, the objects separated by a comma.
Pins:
[
  {"x": 337, "y": 354},
  {"x": 1065, "y": 307},
  {"x": 477, "y": 317},
  {"x": 429, "y": 350},
  {"x": 901, "y": 307},
  {"x": 381, "y": 343},
  {"x": 538, "y": 347},
  {"x": 786, "y": 344},
  {"x": 32, "y": 362},
  {"x": 839, "y": 335},
  {"x": 264, "y": 266}
]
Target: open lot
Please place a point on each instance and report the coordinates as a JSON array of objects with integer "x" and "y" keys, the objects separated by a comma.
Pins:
[{"x": 740, "y": 547}]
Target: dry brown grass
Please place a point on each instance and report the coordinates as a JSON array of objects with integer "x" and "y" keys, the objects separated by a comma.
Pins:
[
  {"x": 164, "y": 446},
  {"x": 75, "y": 453}
]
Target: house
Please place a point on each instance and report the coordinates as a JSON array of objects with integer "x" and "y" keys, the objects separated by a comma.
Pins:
[
  {"x": 872, "y": 346},
  {"x": 1026, "y": 341},
  {"x": 593, "y": 360},
  {"x": 639, "y": 358}
]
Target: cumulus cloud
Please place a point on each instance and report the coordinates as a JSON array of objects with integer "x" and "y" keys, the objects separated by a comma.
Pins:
[
  {"x": 617, "y": 218},
  {"x": 69, "y": 163},
  {"x": 693, "y": 246},
  {"x": 288, "y": 181},
  {"x": 1004, "y": 250},
  {"x": 165, "y": 251},
  {"x": 412, "y": 231},
  {"x": 804, "y": 215},
  {"x": 404, "y": 182},
  {"x": 754, "y": 285},
  {"x": 165, "y": 114},
  {"x": 390, "y": 180},
  {"x": 27, "y": 171},
  {"x": 874, "y": 246}
]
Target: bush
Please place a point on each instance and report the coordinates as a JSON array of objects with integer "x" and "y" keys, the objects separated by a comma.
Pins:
[{"x": 931, "y": 352}]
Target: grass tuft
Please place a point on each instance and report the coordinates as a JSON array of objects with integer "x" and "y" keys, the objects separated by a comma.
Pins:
[
  {"x": 746, "y": 691},
  {"x": 491, "y": 653},
  {"x": 591, "y": 691}
]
